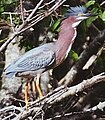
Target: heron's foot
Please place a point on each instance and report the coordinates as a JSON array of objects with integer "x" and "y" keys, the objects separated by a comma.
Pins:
[{"x": 38, "y": 88}]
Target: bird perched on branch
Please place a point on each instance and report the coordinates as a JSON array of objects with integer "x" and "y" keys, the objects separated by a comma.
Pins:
[{"x": 50, "y": 55}]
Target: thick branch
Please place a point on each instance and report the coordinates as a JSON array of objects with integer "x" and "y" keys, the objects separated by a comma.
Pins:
[{"x": 59, "y": 94}]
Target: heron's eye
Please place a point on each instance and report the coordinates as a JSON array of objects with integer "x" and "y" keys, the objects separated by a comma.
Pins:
[{"x": 80, "y": 14}]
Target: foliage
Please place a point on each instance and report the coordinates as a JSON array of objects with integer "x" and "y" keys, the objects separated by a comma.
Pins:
[
  {"x": 53, "y": 22},
  {"x": 87, "y": 32},
  {"x": 7, "y": 5},
  {"x": 74, "y": 55},
  {"x": 91, "y": 2},
  {"x": 54, "y": 25}
]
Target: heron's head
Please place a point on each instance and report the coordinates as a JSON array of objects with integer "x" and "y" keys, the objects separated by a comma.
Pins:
[{"x": 77, "y": 14}]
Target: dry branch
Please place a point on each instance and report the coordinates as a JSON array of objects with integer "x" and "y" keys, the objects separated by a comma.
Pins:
[
  {"x": 100, "y": 107},
  {"x": 26, "y": 25},
  {"x": 36, "y": 108}
]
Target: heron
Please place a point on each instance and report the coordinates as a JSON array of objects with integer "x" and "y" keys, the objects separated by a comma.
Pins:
[{"x": 49, "y": 55}]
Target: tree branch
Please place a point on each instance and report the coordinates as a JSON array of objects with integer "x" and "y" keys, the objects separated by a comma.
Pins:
[
  {"x": 37, "y": 107},
  {"x": 23, "y": 27}
]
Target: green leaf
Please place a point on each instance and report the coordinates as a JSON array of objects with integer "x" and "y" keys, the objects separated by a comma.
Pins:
[
  {"x": 91, "y": 19},
  {"x": 73, "y": 55},
  {"x": 9, "y": 2},
  {"x": 91, "y": 2},
  {"x": 1, "y": 9},
  {"x": 103, "y": 16},
  {"x": 55, "y": 25}
]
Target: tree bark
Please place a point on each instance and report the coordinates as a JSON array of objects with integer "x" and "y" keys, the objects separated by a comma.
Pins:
[{"x": 10, "y": 86}]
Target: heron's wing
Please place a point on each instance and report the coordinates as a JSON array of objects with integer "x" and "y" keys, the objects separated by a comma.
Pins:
[{"x": 40, "y": 60}]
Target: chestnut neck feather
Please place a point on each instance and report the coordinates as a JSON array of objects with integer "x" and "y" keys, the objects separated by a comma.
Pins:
[{"x": 65, "y": 39}]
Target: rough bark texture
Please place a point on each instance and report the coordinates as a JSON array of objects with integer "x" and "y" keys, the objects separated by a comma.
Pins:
[{"x": 10, "y": 86}]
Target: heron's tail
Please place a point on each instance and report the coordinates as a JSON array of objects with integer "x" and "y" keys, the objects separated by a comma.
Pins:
[
  {"x": 9, "y": 71},
  {"x": 9, "y": 74}
]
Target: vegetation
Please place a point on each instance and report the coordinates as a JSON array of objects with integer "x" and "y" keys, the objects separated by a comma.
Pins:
[{"x": 35, "y": 22}]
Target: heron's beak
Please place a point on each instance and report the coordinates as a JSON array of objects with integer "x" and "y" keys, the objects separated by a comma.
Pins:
[
  {"x": 89, "y": 15},
  {"x": 85, "y": 16}
]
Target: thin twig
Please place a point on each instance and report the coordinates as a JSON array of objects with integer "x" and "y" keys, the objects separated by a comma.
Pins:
[
  {"x": 27, "y": 21},
  {"x": 100, "y": 106},
  {"x": 22, "y": 11},
  {"x": 46, "y": 4},
  {"x": 45, "y": 14},
  {"x": 34, "y": 10},
  {"x": 102, "y": 3},
  {"x": 11, "y": 21},
  {"x": 20, "y": 27}
]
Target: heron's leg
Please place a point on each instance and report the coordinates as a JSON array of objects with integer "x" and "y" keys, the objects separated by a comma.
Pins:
[
  {"x": 26, "y": 94},
  {"x": 34, "y": 88},
  {"x": 38, "y": 86}
]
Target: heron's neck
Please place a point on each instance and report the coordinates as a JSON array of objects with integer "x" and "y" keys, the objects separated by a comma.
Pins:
[{"x": 65, "y": 40}]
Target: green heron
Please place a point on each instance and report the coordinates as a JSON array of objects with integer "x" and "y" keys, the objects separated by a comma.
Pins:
[{"x": 49, "y": 55}]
